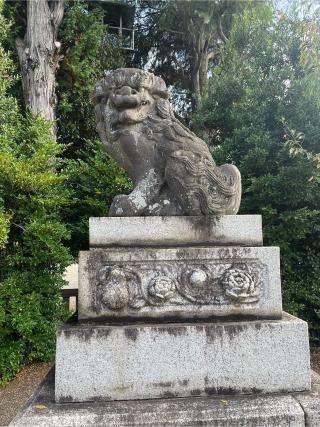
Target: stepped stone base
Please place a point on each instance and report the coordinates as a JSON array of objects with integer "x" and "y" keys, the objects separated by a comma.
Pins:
[
  {"x": 147, "y": 361},
  {"x": 285, "y": 410},
  {"x": 186, "y": 283},
  {"x": 224, "y": 230}
]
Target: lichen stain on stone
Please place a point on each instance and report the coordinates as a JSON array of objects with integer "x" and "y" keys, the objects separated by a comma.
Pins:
[
  {"x": 210, "y": 391},
  {"x": 85, "y": 265},
  {"x": 173, "y": 330},
  {"x": 204, "y": 224},
  {"x": 168, "y": 394},
  {"x": 258, "y": 325},
  {"x": 63, "y": 399},
  {"x": 100, "y": 399},
  {"x": 131, "y": 333},
  {"x": 103, "y": 332},
  {"x": 163, "y": 384},
  {"x": 69, "y": 399},
  {"x": 219, "y": 331},
  {"x": 234, "y": 330},
  {"x": 81, "y": 334},
  {"x": 122, "y": 388},
  {"x": 182, "y": 253},
  {"x": 234, "y": 253}
]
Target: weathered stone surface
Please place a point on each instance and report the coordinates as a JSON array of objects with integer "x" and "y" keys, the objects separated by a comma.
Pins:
[
  {"x": 227, "y": 411},
  {"x": 188, "y": 282},
  {"x": 225, "y": 230},
  {"x": 310, "y": 402},
  {"x": 172, "y": 169},
  {"x": 137, "y": 361}
]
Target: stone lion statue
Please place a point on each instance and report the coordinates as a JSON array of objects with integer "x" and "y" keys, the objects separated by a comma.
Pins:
[{"x": 171, "y": 168}]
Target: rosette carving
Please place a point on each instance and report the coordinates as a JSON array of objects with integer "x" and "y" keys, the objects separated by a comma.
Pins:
[
  {"x": 161, "y": 287},
  {"x": 116, "y": 293},
  {"x": 118, "y": 288},
  {"x": 240, "y": 285}
]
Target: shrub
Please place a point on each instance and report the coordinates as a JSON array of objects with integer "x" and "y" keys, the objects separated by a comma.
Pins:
[{"x": 32, "y": 254}]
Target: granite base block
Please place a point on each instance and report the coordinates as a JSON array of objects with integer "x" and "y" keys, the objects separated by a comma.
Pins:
[
  {"x": 280, "y": 410},
  {"x": 139, "y": 361},
  {"x": 224, "y": 230}
]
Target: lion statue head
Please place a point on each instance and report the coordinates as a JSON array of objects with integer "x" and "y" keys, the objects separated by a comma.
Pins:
[{"x": 129, "y": 96}]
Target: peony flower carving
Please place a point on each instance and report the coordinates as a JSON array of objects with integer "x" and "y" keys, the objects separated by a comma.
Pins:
[
  {"x": 238, "y": 284},
  {"x": 115, "y": 294},
  {"x": 161, "y": 287}
]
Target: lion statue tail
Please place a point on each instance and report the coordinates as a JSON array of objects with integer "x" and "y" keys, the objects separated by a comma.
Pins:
[{"x": 201, "y": 187}]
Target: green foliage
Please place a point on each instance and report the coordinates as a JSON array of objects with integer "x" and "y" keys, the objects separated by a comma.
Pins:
[
  {"x": 261, "y": 114},
  {"x": 95, "y": 179},
  {"x": 32, "y": 255},
  {"x": 182, "y": 37},
  {"x": 88, "y": 50}
]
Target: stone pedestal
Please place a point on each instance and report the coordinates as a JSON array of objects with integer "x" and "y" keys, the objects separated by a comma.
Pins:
[
  {"x": 179, "y": 307},
  {"x": 116, "y": 362}
]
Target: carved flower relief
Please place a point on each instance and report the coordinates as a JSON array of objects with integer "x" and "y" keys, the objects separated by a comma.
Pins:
[
  {"x": 198, "y": 277},
  {"x": 161, "y": 287},
  {"x": 114, "y": 289},
  {"x": 238, "y": 284},
  {"x": 197, "y": 285}
]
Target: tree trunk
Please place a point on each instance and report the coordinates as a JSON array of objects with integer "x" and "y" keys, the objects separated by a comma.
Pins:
[
  {"x": 203, "y": 72},
  {"x": 195, "y": 84},
  {"x": 39, "y": 56},
  {"x": 199, "y": 69}
]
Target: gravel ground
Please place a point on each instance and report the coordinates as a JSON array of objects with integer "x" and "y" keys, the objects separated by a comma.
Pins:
[{"x": 16, "y": 394}]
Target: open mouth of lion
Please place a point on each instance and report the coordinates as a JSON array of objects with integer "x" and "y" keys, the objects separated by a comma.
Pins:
[{"x": 128, "y": 116}]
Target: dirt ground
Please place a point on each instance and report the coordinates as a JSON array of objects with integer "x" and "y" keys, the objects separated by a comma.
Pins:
[
  {"x": 16, "y": 394},
  {"x": 315, "y": 360}
]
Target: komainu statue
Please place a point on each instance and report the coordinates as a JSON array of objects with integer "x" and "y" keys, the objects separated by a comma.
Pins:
[{"x": 171, "y": 168}]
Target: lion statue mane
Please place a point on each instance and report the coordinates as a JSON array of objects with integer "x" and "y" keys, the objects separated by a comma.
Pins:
[{"x": 171, "y": 168}]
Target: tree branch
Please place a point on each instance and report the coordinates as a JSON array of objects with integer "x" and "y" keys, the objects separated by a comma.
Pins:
[
  {"x": 21, "y": 46},
  {"x": 57, "y": 10},
  {"x": 212, "y": 55},
  {"x": 220, "y": 30},
  {"x": 19, "y": 226},
  {"x": 21, "y": 50},
  {"x": 205, "y": 46},
  {"x": 222, "y": 6}
]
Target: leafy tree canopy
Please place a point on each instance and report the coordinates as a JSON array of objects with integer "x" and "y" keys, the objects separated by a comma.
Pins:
[
  {"x": 262, "y": 113},
  {"x": 88, "y": 51},
  {"x": 178, "y": 40}
]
